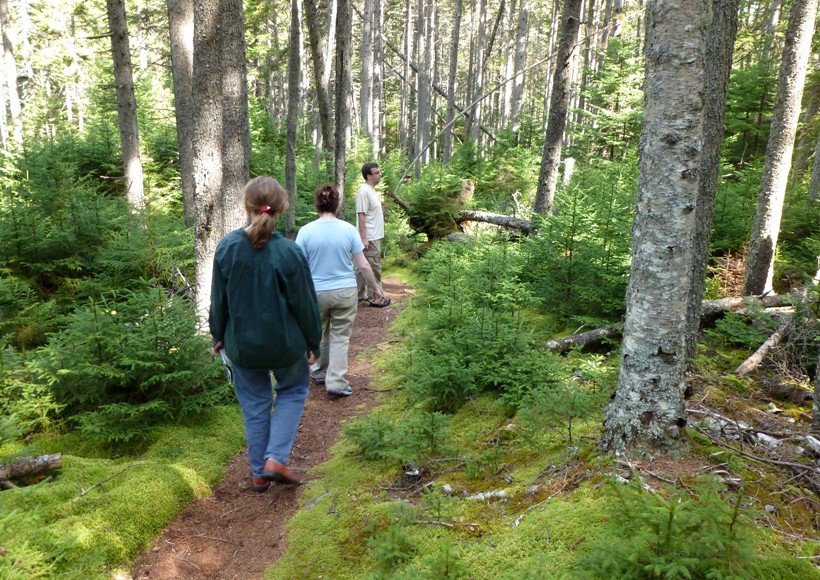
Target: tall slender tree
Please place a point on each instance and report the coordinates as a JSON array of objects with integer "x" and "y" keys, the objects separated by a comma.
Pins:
[
  {"x": 559, "y": 103},
  {"x": 344, "y": 24},
  {"x": 126, "y": 103},
  {"x": 679, "y": 147},
  {"x": 181, "y": 28},
  {"x": 294, "y": 99},
  {"x": 452, "y": 76},
  {"x": 319, "y": 56},
  {"x": 766, "y": 228}
]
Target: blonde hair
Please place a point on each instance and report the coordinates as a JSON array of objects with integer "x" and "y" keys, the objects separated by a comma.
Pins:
[{"x": 263, "y": 193}]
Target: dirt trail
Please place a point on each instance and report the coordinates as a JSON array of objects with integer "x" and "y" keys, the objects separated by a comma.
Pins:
[{"x": 236, "y": 533}]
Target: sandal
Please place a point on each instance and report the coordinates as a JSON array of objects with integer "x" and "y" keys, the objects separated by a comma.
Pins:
[{"x": 384, "y": 302}]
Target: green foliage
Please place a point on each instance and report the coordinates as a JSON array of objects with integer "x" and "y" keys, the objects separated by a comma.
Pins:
[
  {"x": 128, "y": 361},
  {"x": 578, "y": 261},
  {"x": 390, "y": 548},
  {"x": 416, "y": 439},
  {"x": 701, "y": 533},
  {"x": 28, "y": 405},
  {"x": 735, "y": 203},
  {"x": 558, "y": 406},
  {"x": 746, "y": 331}
]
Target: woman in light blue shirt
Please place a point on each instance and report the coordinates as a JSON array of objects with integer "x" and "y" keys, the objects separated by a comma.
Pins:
[{"x": 328, "y": 244}]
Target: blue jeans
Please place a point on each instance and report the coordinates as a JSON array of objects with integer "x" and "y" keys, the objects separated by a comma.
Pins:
[{"x": 271, "y": 429}]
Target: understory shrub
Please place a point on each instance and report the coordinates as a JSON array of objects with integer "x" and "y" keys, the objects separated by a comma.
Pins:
[{"x": 127, "y": 361}]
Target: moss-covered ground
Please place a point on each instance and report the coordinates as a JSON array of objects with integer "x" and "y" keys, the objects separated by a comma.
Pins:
[{"x": 108, "y": 504}]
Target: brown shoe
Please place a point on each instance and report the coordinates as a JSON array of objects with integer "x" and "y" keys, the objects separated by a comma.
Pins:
[
  {"x": 275, "y": 471},
  {"x": 259, "y": 485}
]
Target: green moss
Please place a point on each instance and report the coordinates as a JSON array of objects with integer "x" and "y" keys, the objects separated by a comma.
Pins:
[{"x": 97, "y": 512}]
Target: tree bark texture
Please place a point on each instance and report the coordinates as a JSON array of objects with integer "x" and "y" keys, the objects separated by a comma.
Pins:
[
  {"x": 294, "y": 99},
  {"x": 209, "y": 223},
  {"x": 720, "y": 38},
  {"x": 559, "y": 102},
  {"x": 343, "y": 57},
  {"x": 424, "y": 111},
  {"x": 126, "y": 103},
  {"x": 236, "y": 123},
  {"x": 647, "y": 413},
  {"x": 814, "y": 183},
  {"x": 30, "y": 466},
  {"x": 766, "y": 228},
  {"x": 181, "y": 25},
  {"x": 753, "y": 361},
  {"x": 10, "y": 68}
]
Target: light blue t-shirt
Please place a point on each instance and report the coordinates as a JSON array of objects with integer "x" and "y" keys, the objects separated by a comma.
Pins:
[{"x": 328, "y": 246}]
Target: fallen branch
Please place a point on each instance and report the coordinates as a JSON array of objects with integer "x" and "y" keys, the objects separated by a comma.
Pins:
[
  {"x": 709, "y": 309},
  {"x": 107, "y": 479},
  {"x": 583, "y": 340},
  {"x": 30, "y": 466},
  {"x": 496, "y": 219},
  {"x": 753, "y": 361}
]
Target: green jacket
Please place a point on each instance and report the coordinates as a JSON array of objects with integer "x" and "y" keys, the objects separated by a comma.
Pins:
[{"x": 263, "y": 305}]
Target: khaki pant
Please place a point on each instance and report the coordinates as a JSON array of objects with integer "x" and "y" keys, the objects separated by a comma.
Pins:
[
  {"x": 373, "y": 254},
  {"x": 338, "y": 309}
]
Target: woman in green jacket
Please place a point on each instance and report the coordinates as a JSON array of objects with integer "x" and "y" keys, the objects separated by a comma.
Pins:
[{"x": 265, "y": 316}]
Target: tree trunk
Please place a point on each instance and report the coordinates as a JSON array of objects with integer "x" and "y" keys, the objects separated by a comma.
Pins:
[
  {"x": 366, "y": 82},
  {"x": 294, "y": 99},
  {"x": 236, "y": 122},
  {"x": 478, "y": 80},
  {"x": 814, "y": 184},
  {"x": 763, "y": 240},
  {"x": 126, "y": 103},
  {"x": 221, "y": 131},
  {"x": 647, "y": 413},
  {"x": 517, "y": 95},
  {"x": 378, "y": 80},
  {"x": 424, "y": 112},
  {"x": 805, "y": 140},
  {"x": 10, "y": 68},
  {"x": 319, "y": 57},
  {"x": 561, "y": 89},
  {"x": 181, "y": 25},
  {"x": 343, "y": 53},
  {"x": 451, "y": 81}
]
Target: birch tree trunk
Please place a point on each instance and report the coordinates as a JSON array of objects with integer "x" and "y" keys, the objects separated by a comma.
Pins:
[
  {"x": 517, "y": 96},
  {"x": 126, "y": 104},
  {"x": 10, "y": 69},
  {"x": 451, "y": 80},
  {"x": 343, "y": 53},
  {"x": 319, "y": 57},
  {"x": 294, "y": 98},
  {"x": 478, "y": 81},
  {"x": 181, "y": 25},
  {"x": 766, "y": 228},
  {"x": 559, "y": 102},
  {"x": 647, "y": 413}
]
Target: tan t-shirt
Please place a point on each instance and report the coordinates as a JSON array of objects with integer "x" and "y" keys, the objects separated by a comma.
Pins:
[{"x": 368, "y": 203}]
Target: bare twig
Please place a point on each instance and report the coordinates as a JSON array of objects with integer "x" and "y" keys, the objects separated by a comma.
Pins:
[{"x": 107, "y": 479}]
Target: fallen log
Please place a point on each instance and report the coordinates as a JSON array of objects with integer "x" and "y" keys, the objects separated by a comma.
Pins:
[
  {"x": 30, "y": 466},
  {"x": 506, "y": 221},
  {"x": 753, "y": 361},
  {"x": 583, "y": 339},
  {"x": 709, "y": 310}
]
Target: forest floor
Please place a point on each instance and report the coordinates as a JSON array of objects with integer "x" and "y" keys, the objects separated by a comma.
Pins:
[{"x": 236, "y": 533}]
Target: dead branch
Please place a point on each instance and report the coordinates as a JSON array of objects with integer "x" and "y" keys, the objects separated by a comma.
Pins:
[
  {"x": 709, "y": 309},
  {"x": 30, "y": 466},
  {"x": 506, "y": 221},
  {"x": 107, "y": 479},
  {"x": 583, "y": 340},
  {"x": 753, "y": 361}
]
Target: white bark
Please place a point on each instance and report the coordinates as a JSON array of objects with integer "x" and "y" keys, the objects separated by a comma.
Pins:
[
  {"x": 10, "y": 69},
  {"x": 647, "y": 413},
  {"x": 766, "y": 228},
  {"x": 451, "y": 79},
  {"x": 517, "y": 96}
]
